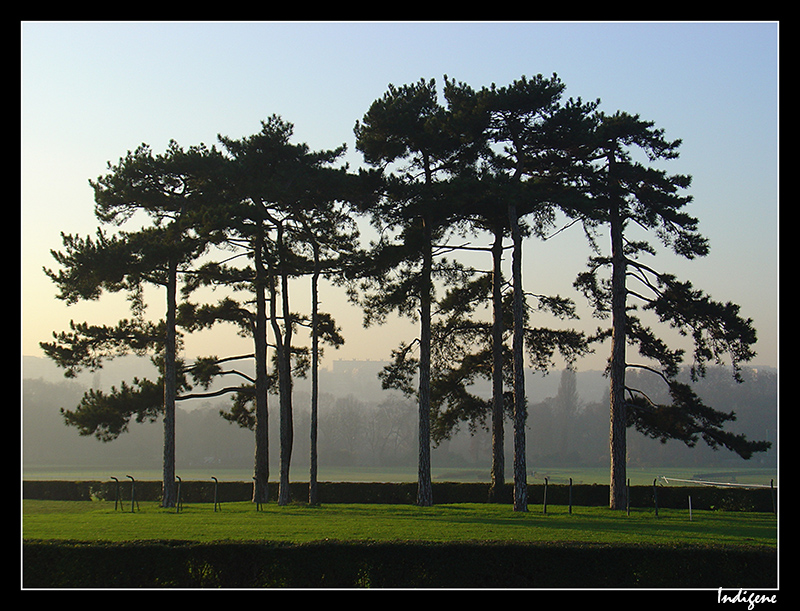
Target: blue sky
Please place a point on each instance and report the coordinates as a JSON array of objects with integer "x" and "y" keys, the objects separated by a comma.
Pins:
[{"x": 92, "y": 91}]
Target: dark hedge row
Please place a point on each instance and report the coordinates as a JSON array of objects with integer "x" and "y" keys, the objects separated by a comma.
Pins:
[
  {"x": 391, "y": 565},
  {"x": 728, "y": 499}
]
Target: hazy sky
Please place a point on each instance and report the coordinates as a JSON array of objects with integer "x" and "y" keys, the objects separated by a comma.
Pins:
[{"x": 90, "y": 92}]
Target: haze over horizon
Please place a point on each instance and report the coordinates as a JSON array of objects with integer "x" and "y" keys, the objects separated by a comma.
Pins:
[{"x": 91, "y": 91}]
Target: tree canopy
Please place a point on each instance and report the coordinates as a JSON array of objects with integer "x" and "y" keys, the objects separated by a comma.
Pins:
[{"x": 258, "y": 214}]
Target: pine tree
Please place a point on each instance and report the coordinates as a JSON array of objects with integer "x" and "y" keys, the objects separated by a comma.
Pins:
[
  {"x": 171, "y": 190},
  {"x": 330, "y": 232},
  {"x": 531, "y": 171},
  {"x": 625, "y": 193},
  {"x": 410, "y": 131},
  {"x": 287, "y": 193}
]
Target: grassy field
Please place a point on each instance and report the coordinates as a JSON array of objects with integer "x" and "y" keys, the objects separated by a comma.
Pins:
[{"x": 298, "y": 523}]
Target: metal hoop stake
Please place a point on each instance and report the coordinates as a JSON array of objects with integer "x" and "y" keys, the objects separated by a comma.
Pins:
[
  {"x": 258, "y": 499},
  {"x": 655, "y": 495},
  {"x": 133, "y": 493},
  {"x": 216, "y": 502},
  {"x": 117, "y": 499},
  {"x": 570, "y": 496},
  {"x": 545, "y": 495},
  {"x": 178, "y": 503},
  {"x": 628, "y": 497}
]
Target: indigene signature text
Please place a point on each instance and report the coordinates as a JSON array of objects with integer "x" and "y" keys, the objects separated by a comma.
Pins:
[{"x": 750, "y": 598}]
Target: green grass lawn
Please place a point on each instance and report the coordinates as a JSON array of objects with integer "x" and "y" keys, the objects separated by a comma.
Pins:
[{"x": 298, "y": 523}]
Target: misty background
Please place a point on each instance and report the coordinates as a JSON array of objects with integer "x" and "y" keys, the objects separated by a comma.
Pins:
[{"x": 361, "y": 425}]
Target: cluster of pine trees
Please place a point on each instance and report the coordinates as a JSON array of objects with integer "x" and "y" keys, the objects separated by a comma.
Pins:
[{"x": 252, "y": 216}]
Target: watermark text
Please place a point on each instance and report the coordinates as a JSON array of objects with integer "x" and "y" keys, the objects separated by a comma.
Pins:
[{"x": 751, "y": 599}]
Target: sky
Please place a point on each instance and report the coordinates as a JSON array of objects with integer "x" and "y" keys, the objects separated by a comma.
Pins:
[{"x": 92, "y": 91}]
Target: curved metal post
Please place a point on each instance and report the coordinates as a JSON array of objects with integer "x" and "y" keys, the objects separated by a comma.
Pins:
[
  {"x": 178, "y": 502},
  {"x": 545, "y": 495},
  {"x": 133, "y": 493},
  {"x": 258, "y": 501},
  {"x": 216, "y": 501},
  {"x": 628, "y": 497},
  {"x": 117, "y": 499},
  {"x": 655, "y": 495},
  {"x": 570, "y": 496}
]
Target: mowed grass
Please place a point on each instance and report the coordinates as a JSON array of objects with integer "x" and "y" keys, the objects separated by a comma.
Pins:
[{"x": 298, "y": 523}]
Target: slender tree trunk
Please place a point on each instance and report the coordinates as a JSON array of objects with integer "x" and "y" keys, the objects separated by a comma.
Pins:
[
  {"x": 424, "y": 487},
  {"x": 286, "y": 433},
  {"x": 618, "y": 419},
  {"x": 261, "y": 458},
  {"x": 169, "y": 492},
  {"x": 283, "y": 344},
  {"x": 498, "y": 454},
  {"x": 520, "y": 408},
  {"x": 287, "y": 424},
  {"x": 312, "y": 481}
]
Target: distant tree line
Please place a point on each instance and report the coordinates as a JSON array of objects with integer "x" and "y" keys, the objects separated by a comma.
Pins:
[
  {"x": 468, "y": 170},
  {"x": 367, "y": 430}
]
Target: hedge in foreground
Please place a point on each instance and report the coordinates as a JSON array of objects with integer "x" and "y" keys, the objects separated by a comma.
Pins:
[
  {"x": 172, "y": 564},
  {"x": 591, "y": 495}
]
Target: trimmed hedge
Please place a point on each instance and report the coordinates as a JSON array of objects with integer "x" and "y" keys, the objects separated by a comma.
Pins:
[
  {"x": 391, "y": 565},
  {"x": 728, "y": 499}
]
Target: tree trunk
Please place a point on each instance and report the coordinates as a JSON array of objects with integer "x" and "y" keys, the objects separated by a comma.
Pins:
[
  {"x": 283, "y": 342},
  {"x": 286, "y": 424},
  {"x": 618, "y": 419},
  {"x": 498, "y": 455},
  {"x": 286, "y": 428},
  {"x": 520, "y": 408},
  {"x": 169, "y": 492},
  {"x": 312, "y": 481},
  {"x": 424, "y": 487},
  {"x": 261, "y": 458}
]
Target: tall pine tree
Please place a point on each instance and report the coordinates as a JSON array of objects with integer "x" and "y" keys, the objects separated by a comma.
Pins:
[
  {"x": 171, "y": 190},
  {"x": 409, "y": 135},
  {"x": 627, "y": 194}
]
